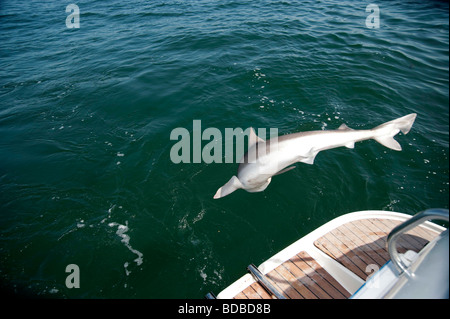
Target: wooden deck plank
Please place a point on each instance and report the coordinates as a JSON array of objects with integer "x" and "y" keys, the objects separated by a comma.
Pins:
[
  {"x": 387, "y": 226},
  {"x": 283, "y": 285},
  {"x": 349, "y": 254},
  {"x": 383, "y": 227},
  {"x": 305, "y": 289},
  {"x": 415, "y": 239},
  {"x": 376, "y": 241},
  {"x": 357, "y": 238},
  {"x": 295, "y": 283},
  {"x": 364, "y": 255},
  {"x": 294, "y": 267},
  {"x": 405, "y": 242},
  {"x": 251, "y": 293},
  {"x": 425, "y": 233},
  {"x": 316, "y": 283},
  {"x": 240, "y": 295},
  {"x": 261, "y": 291},
  {"x": 298, "y": 278},
  {"x": 375, "y": 234},
  {"x": 422, "y": 234},
  {"x": 314, "y": 280},
  {"x": 361, "y": 243},
  {"x": 331, "y": 246},
  {"x": 330, "y": 285},
  {"x": 375, "y": 246}
]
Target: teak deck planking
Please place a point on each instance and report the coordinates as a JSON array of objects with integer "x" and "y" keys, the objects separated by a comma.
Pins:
[{"x": 359, "y": 246}]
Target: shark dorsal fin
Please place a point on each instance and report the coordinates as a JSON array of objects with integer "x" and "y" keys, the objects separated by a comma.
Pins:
[
  {"x": 344, "y": 127},
  {"x": 253, "y": 138}
]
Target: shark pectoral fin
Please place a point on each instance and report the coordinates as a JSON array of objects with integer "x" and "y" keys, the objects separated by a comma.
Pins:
[
  {"x": 308, "y": 159},
  {"x": 344, "y": 127},
  {"x": 253, "y": 138},
  {"x": 350, "y": 145},
  {"x": 233, "y": 184},
  {"x": 284, "y": 170},
  {"x": 389, "y": 142}
]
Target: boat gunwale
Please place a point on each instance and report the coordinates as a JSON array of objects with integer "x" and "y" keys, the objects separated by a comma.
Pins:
[{"x": 344, "y": 276}]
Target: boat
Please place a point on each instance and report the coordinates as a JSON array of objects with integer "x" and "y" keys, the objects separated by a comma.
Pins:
[{"x": 360, "y": 255}]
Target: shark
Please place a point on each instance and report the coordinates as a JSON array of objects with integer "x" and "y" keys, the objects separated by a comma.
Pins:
[{"x": 265, "y": 159}]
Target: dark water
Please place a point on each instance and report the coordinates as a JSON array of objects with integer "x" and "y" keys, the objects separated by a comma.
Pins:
[{"x": 86, "y": 116}]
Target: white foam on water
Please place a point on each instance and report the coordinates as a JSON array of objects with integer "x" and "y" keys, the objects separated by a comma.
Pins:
[
  {"x": 202, "y": 273},
  {"x": 125, "y": 265},
  {"x": 109, "y": 213},
  {"x": 121, "y": 232},
  {"x": 110, "y": 209},
  {"x": 81, "y": 224},
  {"x": 199, "y": 216},
  {"x": 53, "y": 291}
]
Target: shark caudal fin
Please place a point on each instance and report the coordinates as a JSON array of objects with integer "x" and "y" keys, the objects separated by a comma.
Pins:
[
  {"x": 233, "y": 184},
  {"x": 384, "y": 133}
]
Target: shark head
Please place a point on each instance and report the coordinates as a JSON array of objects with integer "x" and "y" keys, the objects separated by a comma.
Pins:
[{"x": 234, "y": 183}]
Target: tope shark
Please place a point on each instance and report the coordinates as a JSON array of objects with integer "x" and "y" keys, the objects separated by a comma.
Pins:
[{"x": 265, "y": 159}]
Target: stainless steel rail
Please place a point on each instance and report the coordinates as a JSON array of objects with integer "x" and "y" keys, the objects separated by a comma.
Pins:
[
  {"x": 429, "y": 214},
  {"x": 259, "y": 277}
]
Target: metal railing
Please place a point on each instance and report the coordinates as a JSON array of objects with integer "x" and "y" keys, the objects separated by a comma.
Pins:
[
  {"x": 265, "y": 283},
  {"x": 416, "y": 220}
]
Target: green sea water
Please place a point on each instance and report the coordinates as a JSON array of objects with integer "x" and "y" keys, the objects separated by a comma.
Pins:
[{"x": 86, "y": 115}]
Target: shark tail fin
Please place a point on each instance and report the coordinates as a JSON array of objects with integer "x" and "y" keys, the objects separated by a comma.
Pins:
[
  {"x": 233, "y": 184},
  {"x": 384, "y": 133}
]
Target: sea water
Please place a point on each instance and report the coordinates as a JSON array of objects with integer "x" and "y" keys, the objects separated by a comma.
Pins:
[{"x": 86, "y": 115}]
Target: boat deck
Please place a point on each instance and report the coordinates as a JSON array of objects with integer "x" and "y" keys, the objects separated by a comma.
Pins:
[
  {"x": 361, "y": 245},
  {"x": 336, "y": 260},
  {"x": 301, "y": 277}
]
